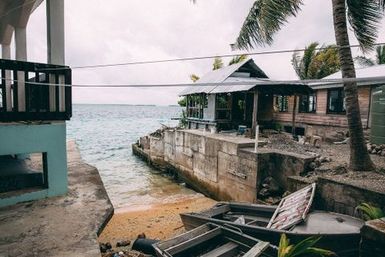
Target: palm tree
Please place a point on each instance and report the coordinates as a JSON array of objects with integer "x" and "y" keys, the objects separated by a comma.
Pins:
[
  {"x": 266, "y": 18},
  {"x": 380, "y": 58},
  {"x": 315, "y": 64}
]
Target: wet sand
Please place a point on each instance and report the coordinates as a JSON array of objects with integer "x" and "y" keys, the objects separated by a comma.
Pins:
[{"x": 155, "y": 221}]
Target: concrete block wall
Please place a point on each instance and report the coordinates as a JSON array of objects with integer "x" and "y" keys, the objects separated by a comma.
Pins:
[
  {"x": 212, "y": 165},
  {"x": 49, "y": 139},
  {"x": 336, "y": 196}
]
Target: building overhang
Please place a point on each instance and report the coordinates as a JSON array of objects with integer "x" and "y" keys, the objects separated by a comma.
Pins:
[{"x": 15, "y": 13}]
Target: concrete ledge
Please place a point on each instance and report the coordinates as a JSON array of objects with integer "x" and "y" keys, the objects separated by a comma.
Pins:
[
  {"x": 59, "y": 226},
  {"x": 373, "y": 238}
]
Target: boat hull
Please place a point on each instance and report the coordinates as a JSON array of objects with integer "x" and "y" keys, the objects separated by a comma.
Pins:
[{"x": 343, "y": 243}]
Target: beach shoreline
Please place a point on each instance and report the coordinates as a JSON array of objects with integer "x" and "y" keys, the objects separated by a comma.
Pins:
[{"x": 156, "y": 221}]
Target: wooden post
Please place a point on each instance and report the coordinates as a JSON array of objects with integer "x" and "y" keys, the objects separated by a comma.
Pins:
[
  {"x": 294, "y": 114},
  {"x": 255, "y": 113},
  {"x": 256, "y": 138}
]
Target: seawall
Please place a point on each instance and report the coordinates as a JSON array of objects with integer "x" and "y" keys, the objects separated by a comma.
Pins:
[{"x": 221, "y": 166}]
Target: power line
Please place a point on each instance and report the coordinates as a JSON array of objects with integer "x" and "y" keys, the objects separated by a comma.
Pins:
[
  {"x": 93, "y": 66},
  {"x": 310, "y": 82}
]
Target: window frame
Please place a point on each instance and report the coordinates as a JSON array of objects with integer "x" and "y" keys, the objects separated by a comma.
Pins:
[
  {"x": 341, "y": 103},
  {"x": 282, "y": 106},
  {"x": 314, "y": 105}
]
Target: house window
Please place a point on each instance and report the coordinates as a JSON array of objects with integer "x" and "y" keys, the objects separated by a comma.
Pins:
[
  {"x": 223, "y": 106},
  {"x": 195, "y": 105},
  {"x": 336, "y": 101},
  {"x": 308, "y": 103},
  {"x": 282, "y": 103}
]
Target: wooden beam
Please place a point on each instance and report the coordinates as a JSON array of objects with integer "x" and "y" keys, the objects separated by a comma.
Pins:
[
  {"x": 255, "y": 114},
  {"x": 294, "y": 114},
  {"x": 257, "y": 250},
  {"x": 194, "y": 241},
  {"x": 226, "y": 250}
]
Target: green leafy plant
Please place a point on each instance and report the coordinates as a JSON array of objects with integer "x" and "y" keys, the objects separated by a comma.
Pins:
[
  {"x": 183, "y": 119},
  {"x": 370, "y": 212},
  {"x": 303, "y": 248}
]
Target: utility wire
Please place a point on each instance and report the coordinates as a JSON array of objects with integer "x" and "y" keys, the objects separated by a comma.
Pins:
[
  {"x": 309, "y": 82},
  {"x": 93, "y": 66}
]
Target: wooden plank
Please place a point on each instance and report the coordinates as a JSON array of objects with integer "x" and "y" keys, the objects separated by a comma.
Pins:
[
  {"x": 217, "y": 210},
  {"x": 194, "y": 241},
  {"x": 184, "y": 237},
  {"x": 293, "y": 208},
  {"x": 257, "y": 250},
  {"x": 227, "y": 250}
]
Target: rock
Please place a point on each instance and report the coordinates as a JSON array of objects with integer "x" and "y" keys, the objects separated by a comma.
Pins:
[
  {"x": 383, "y": 153},
  {"x": 323, "y": 159},
  {"x": 317, "y": 162},
  {"x": 123, "y": 243},
  {"x": 142, "y": 235},
  {"x": 271, "y": 185},
  {"x": 264, "y": 192},
  {"x": 104, "y": 247},
  {"x": 312, "y": 166}
]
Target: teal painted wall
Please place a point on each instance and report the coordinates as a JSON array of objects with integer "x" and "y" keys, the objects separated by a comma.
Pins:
[{"x": 45, "y": 138}]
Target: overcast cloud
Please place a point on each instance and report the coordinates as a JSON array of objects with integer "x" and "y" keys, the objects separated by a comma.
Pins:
[{"x": 99, "y": 32}]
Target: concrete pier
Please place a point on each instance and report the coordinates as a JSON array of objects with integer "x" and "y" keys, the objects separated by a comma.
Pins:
[{"x": 59, "y": 226}]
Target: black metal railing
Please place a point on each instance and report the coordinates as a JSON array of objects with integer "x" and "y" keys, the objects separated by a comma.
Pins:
[{"x": 34, "y": 91}]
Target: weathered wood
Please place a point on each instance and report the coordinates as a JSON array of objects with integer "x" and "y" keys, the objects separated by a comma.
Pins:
[
  {"x": 217, "y": 210},
  {"x": 194, "y": 241},
  {"x": 294, "y": 113},
  {"x": 227, "y": 250},
  {"x": 185, "y": 236},
  {"x": 28, "y": 103},
  {"x": 255, "y": 113},
  {"x": 257, "y": 250}
]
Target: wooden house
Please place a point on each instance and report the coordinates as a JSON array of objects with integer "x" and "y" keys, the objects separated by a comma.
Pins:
[
  {"x": 243, "y": 96},
  {"x": 323, "y": 110},
  {"x": 252, "y": 98}
]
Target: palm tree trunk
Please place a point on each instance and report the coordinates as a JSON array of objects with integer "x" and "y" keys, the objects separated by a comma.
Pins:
[{"x": 359, "y": 156}]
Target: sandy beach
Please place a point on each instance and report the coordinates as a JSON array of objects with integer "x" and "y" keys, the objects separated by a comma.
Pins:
[{"x": 155, "y": 221}]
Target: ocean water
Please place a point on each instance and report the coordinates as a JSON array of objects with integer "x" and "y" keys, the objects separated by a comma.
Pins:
[{"x": 104, "y": 134}]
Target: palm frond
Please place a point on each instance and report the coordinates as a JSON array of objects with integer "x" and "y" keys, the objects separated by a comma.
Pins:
[
  {"x": 370, "y": 212},
  {"x": 364, "y": 61},
  {"x": 364, "y": 17},
  {"x": 296, "y": 62},
  {"x": 264, "y": 19},
  {"x": 238, "y": 59},
  {"x": 308, "y": 56},
  {"x": 380, "y": 54}
]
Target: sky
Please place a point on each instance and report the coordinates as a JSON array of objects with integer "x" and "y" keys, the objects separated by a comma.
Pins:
[{"x": 116, "y": 31}]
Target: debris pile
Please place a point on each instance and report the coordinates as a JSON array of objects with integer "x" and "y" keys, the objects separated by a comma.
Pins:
[
  {"x": 271, "y": 191},
  {"x": 376, "y": 149}
]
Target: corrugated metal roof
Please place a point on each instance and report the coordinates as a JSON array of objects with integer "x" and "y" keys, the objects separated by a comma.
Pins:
[
  {"x": 219, "y": 76},
  {"x": 367, "y": 72}
]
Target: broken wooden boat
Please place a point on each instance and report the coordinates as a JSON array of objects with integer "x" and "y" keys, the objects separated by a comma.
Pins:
[
  {"x": 211, "y": 240},
  {"x": 340, "y": 233}
]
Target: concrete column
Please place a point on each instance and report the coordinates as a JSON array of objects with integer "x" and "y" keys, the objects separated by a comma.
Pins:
[
  {"x": 21, "y": 55},
  {"x": 21, "y": 44},
  {"x": 6, "y": 54},
  {"x": 55, "y": 32},
  {"x": 55, "y": 44}
]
